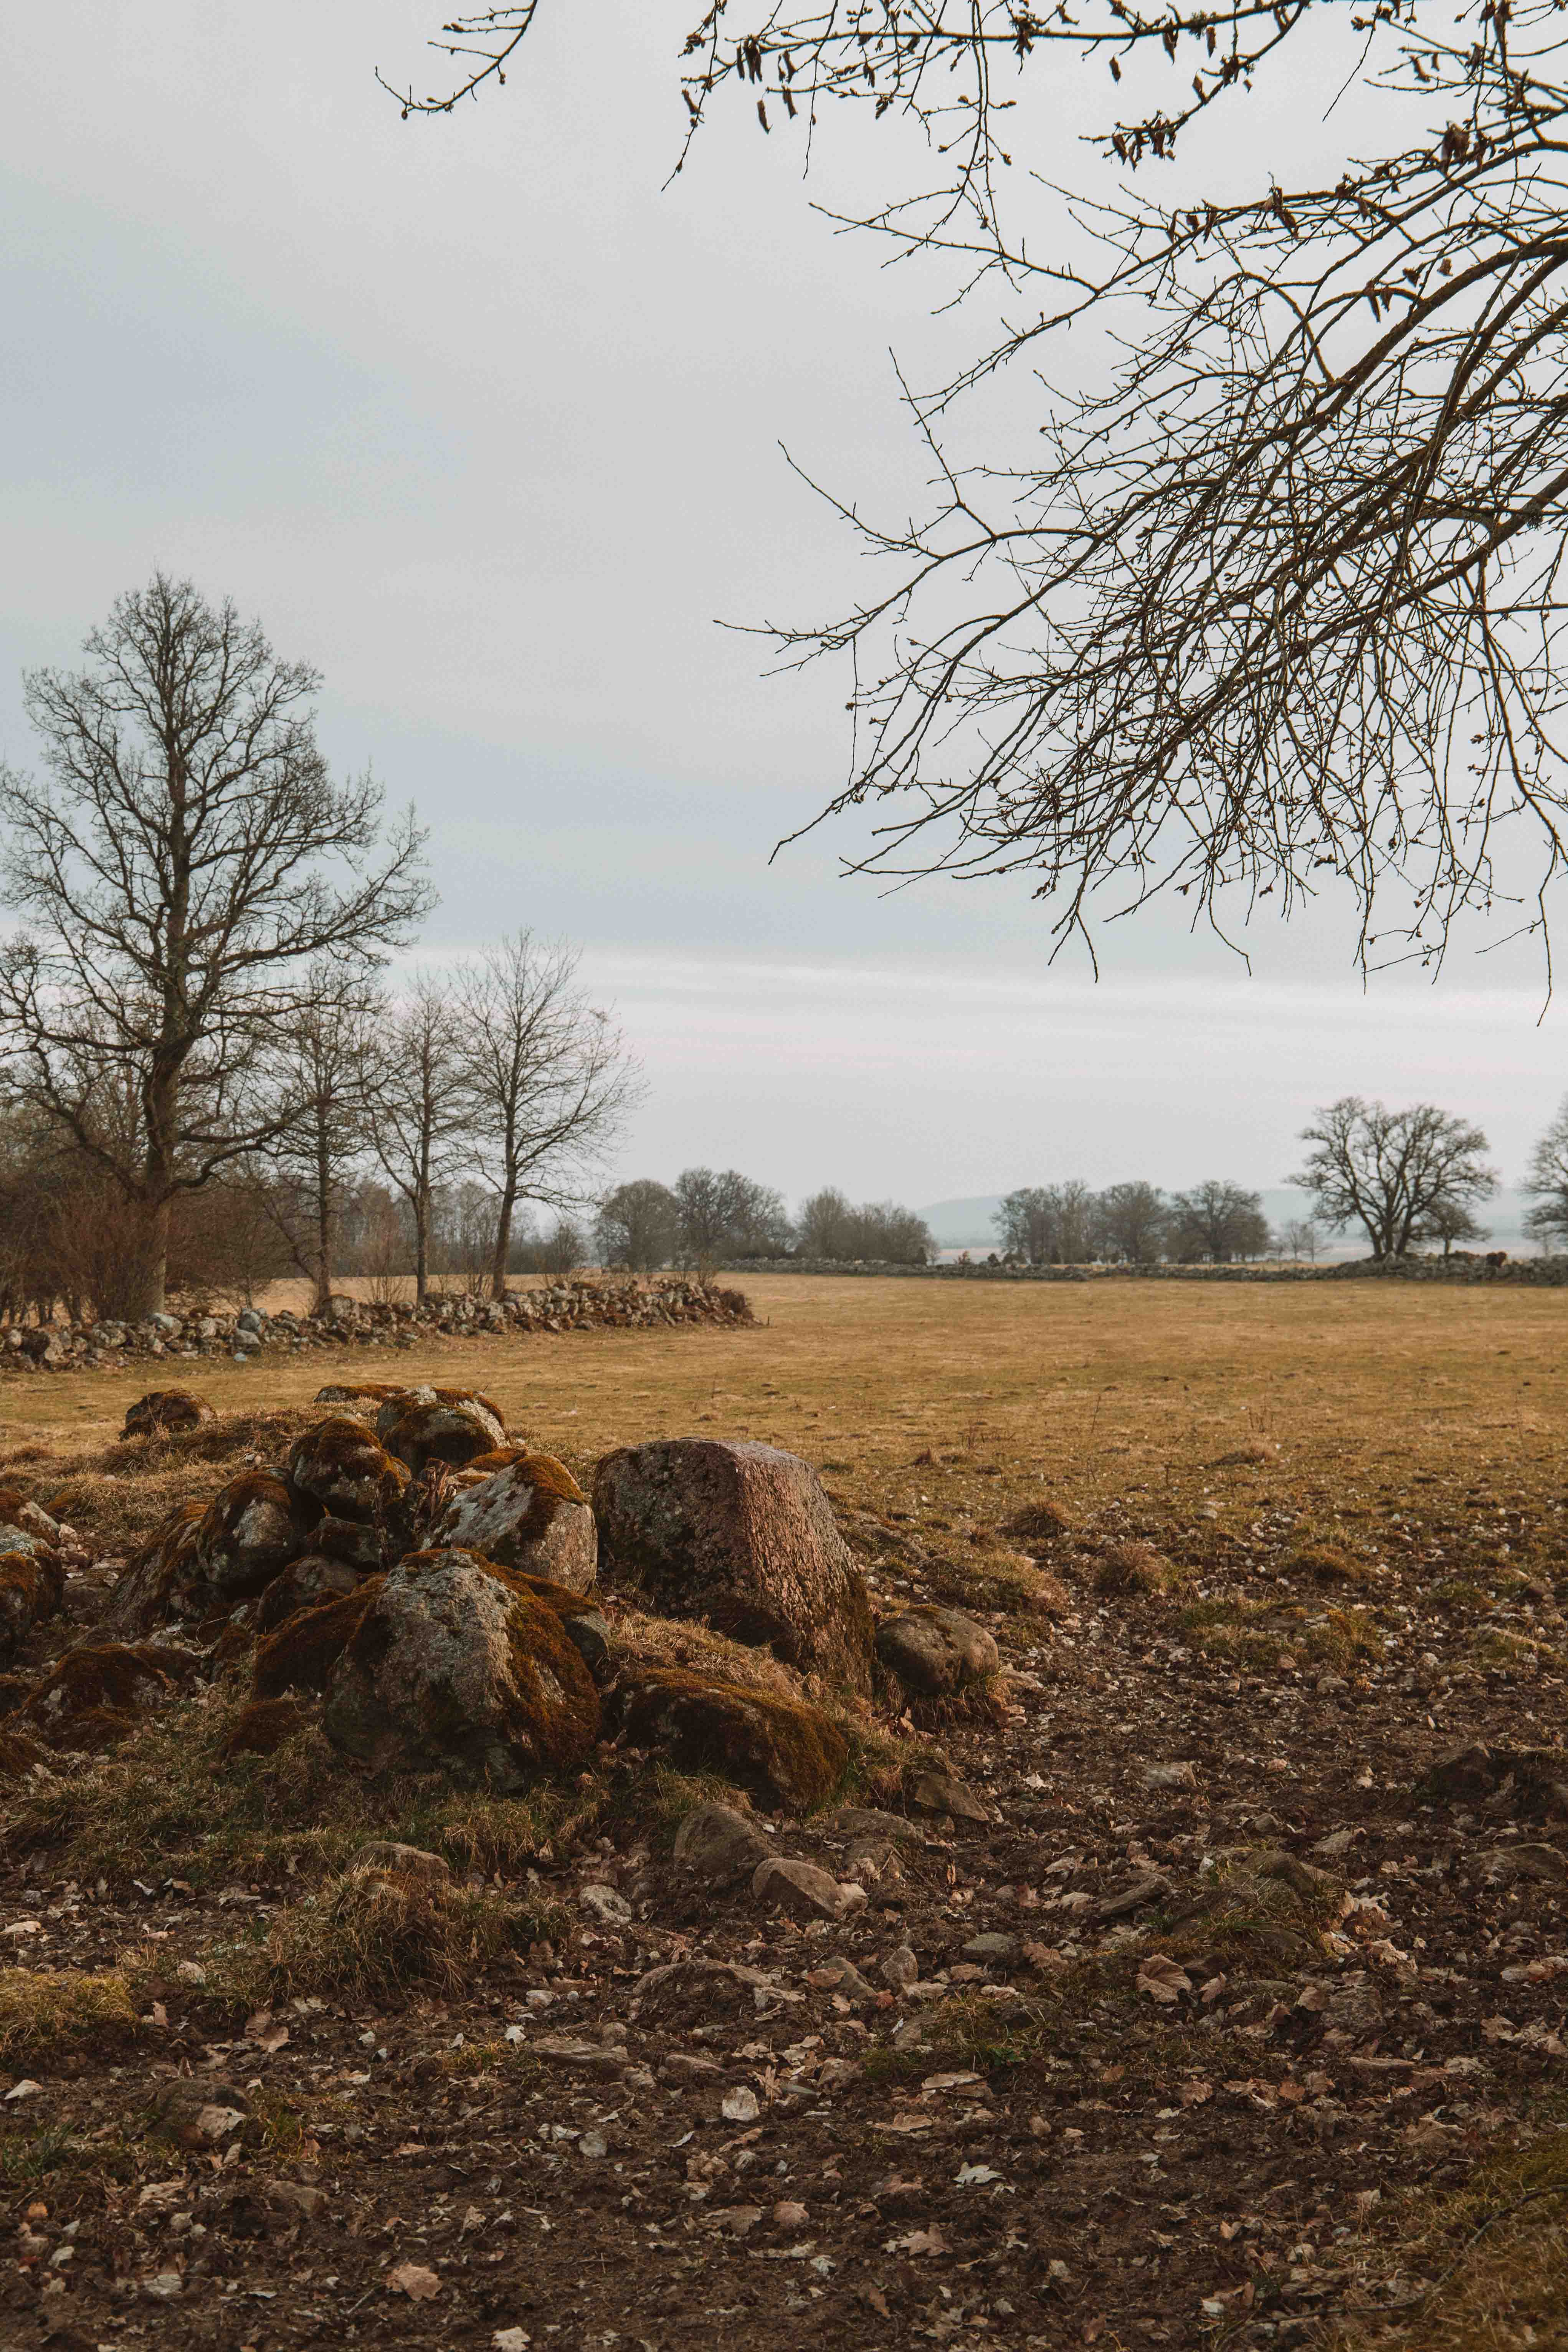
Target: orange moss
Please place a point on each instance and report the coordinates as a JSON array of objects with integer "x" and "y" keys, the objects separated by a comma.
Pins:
[
  {"x": 781, "y": 1749},
  {"x": 265, "y": 1725},
  {"x": 302, "y": 1651}
]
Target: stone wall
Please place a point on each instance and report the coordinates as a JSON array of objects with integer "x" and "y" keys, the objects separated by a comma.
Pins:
[{"x": 614, "y": 1303}]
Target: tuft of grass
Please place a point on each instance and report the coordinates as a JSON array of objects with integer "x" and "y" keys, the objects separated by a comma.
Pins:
[
  {"x": 367, "y": 1934},
  {"x": 46, "y": 2011},
  {"x": 1481, "y": 2269}
]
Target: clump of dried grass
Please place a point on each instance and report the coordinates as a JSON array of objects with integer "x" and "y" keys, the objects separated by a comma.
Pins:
[
  {"x": 1130, "y": 1567},
  {"x": 369, "y": 1933},
  {"x": 46, "y": 2011}
]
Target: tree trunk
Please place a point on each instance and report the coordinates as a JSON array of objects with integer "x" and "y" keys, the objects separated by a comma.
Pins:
[
  {"x": 503, "y": 1242},
  {"x": 323, "y": 1247},
  {"x": 146, "y": 1284},
  {"x": 421, "y": 1246}
]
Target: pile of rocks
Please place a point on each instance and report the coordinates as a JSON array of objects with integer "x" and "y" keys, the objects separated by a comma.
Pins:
[
  {"x": 441, "y": 1597},
  {"x": 579, "y": 1305}
]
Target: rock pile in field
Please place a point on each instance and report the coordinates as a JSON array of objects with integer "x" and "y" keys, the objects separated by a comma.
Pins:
[
  {"x": 579, "y": 1305},
  {"x": 744, "y": 1536},
  {"x": 437, "y": 1597}
]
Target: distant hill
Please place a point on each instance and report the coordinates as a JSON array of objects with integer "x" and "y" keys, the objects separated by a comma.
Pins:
[{"x": 967, "y": 1224}]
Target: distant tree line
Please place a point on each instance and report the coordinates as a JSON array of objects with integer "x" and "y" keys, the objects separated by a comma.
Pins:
[{"x": 710, "y": 1217}]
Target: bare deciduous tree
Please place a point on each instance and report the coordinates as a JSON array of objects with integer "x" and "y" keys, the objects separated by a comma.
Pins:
[
  {"x": 173, "y": 869},
  {"x": 549, "y": 1081},
  {"x": 1218, "y": 1222},
  {"x": 1547, "y": 1182},
  {"x": 322, "y": 1074},
  {"x": 420, "y": 1105},
  {"x": 639, "y": 1225},
  {"x": 1275, "y": 608},
  {"x": 1392, "y": 1171}
]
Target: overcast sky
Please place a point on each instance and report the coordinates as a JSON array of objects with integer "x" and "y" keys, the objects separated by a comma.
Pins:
[{"x": 481, "y": 421}]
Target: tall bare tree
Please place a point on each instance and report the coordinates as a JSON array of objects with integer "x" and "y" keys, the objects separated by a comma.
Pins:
[
  {"x": 323, "y": 1074},
  {"x": 420, "y": 1105},
  {"x": 549, "y": 1076},
  {"x": 1392, "y": 1171},
  {"x": 182, "y": 860},
  {"x": 1276, "y": 607}
]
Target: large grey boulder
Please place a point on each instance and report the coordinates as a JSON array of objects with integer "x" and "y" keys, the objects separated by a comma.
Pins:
[
  {"x": 744, "y": 1536},
  {"x": 452, "y": 1668}
]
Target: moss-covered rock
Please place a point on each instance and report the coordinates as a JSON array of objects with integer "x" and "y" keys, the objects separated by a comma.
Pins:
[
  {"x": 300, "y": 1653},
  {"x": 31, "y": 1584},
  {"x": 936, "y": 1652},
  {"x": 454, "y": 1667},
  {"x": 531, "y": 1515},
  {"x": 162, "y": 1411},
  {"x": 162, "y": 1582},
  {"x": 96, "y": 1691},
  {"x": 23, "y": 1524},
  {"x": 742, "y": 1537},
  {"x": 343, "y": 1465},
  {"x": 426, "y": 1425},
  {"x": 250, "y": 1531},
  {"x": 784, "y": 1751},
  {"x": 305, "y": 1583}
]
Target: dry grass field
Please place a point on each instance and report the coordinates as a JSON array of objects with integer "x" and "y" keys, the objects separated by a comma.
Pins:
[{"x": 1288, "y": 1543}]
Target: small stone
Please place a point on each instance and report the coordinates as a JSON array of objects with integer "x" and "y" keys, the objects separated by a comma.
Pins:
[
  {"x": 993, "y": 1951},
  {"x": 801, "y": 1888},
  {"x": 719, "y": 1845},
  {"x": 604, "y": 1905},
  {"x": 939, "y": 1792},
  {"x": 579, "y": 2057},
  {"x": 901, "y": 1969}
]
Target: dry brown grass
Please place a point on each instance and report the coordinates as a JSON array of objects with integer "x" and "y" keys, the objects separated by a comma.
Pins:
[
  {"x": 958, "y": 1405},
  {"x": 46, "y": 2011}
]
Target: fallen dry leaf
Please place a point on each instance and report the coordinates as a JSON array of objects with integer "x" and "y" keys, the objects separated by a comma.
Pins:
[
  {"x": 1163, "y": 1980},
  {"x": 415, "y": 2281}
]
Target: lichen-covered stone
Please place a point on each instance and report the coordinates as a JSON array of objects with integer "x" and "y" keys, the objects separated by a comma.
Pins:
[
  {"x": 455, "y": 1667},
  {"x": 24, "y": 1525},
  {"x": 300, "y": 1653},
  {"x": 786, "y": 1752},
  {"x": 30, "y": 1588},
  {"x": 532, "y": 1515},
  {"x": 343, "y": 1465},
  {"x": 305, "y": 1583},
  {"x": 163, "y": 1411},
  {"x": 936, "y": 1652},
  {"x": 452, "y": 1425},
  {"x": 249, "y": 1532},
  {"x": 744, "y": 1536},
  {"x": 163, "y": 1581},
  {"x": 344, "y": 1539}
]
